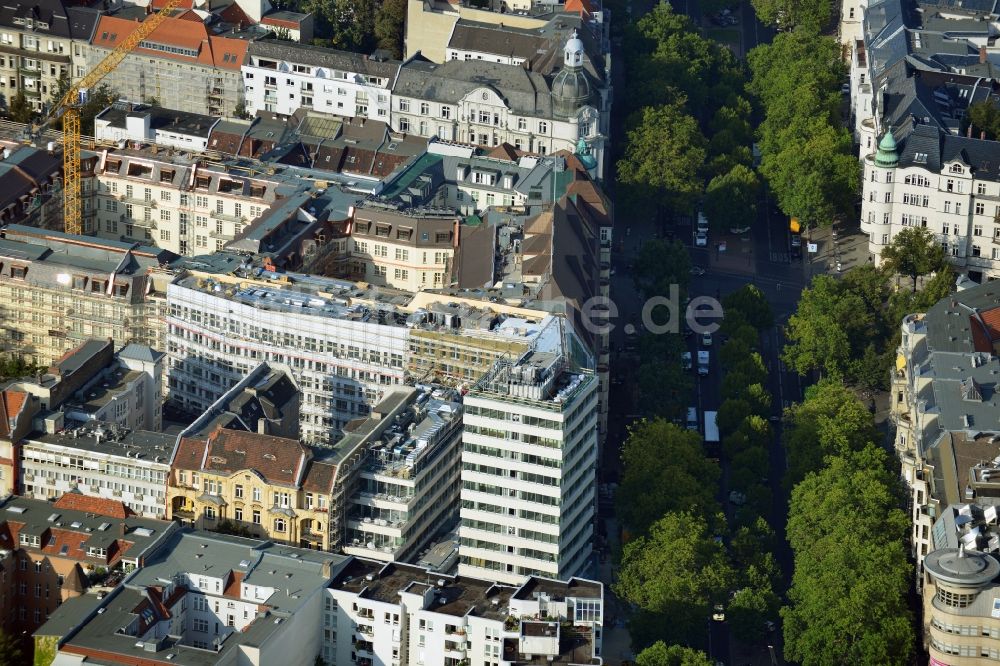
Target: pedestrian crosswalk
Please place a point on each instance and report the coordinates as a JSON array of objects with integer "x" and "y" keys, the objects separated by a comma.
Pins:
[{"x": 780, "y": 258}]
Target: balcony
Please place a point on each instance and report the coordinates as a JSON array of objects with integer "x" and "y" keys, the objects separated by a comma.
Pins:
[
  {"x": 216, "y": 215},
  {"x": 135, "y": 201},
  {"x": 216, "y": 92}
]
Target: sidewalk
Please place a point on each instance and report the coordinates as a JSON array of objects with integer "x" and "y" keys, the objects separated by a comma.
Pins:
[
  {"x": 617, "y": 644},
  {"x": 850, "y": 248}
]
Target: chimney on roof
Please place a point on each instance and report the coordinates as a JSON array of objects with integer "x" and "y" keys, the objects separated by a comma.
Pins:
[{"x": 982, "y": 55}]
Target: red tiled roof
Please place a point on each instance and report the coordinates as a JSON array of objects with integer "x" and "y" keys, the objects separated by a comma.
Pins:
[
  {"x": 213, "y": 51},
  {"x": 319, "y": 478},
  {"x": 102, "y": 506},
  {"x": 505, "y": 151},
  {"x": 582, "y": 7},
  {"x": 235, "y": 14},
  {"x": 73, "y": 540},
  {"x": 183, "y": 4},
  {"x": 281, "y": 23},
  {"x": 991, "y": 318},
  {"x": 980, "y": 338},
  {"x": 11, "y": 404},
  {"x": 277, "y": 459},
  {"x": 190, "y": 454},
  {"x": 232, "y": 588}
]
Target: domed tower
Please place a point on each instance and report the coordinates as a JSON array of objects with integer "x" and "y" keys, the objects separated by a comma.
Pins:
[
  {"x": 887, "y": 157},
  {"x": 571, "y": 87},
  {"x": 877, "y": 197}
]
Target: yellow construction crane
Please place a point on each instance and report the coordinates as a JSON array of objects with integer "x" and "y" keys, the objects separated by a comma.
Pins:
[{"x": 68, "y": 108}]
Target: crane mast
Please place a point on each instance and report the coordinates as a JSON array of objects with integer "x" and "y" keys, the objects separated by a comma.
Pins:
[{"x": 68, "y": 108}]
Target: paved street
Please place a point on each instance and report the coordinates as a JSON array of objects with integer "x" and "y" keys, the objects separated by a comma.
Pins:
[{"x": 764, "y": 259}]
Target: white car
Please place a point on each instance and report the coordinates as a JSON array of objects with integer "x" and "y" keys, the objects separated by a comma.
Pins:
[
  {"x": 701, "y": 239},
  {"x": 719, "y": 613},
  {"x": 706, "y": 339}
]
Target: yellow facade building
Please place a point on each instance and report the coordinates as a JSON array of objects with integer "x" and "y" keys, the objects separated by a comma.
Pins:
[{"x": 252, "y": 484}]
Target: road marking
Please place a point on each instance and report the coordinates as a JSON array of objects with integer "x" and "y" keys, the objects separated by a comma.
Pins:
[{"x": 780, "y": 258}]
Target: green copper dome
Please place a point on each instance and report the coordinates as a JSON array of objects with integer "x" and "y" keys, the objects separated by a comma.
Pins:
[{"x": 886, "y": 155}]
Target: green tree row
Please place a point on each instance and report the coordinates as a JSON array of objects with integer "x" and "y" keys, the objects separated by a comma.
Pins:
[
  {"x": 848, "y": 328},
  {"x": 661, "y": 270},
  {"x": 807, "y": 157},
  {"x": 847, "y": 601},
  {"x": 682, "y": 86},
  {"x": 746, "y": 435}
]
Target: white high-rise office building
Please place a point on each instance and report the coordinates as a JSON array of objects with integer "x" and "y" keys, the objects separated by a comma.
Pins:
[{"x": 529, "y": 453}]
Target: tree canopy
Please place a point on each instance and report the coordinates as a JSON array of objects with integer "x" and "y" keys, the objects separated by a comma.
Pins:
[
  {"x": 731, "y": 199},
  {"x": 389, "y": 24},
  {"x": 660, "y": 654},
  {"x": 801, "y": 15},
  {"x": 666, "y": 57},
  {"x": 807, "y": 158},
  {"x": 848, "y": 593},
  {"x": 984, "y": 117},
  {"x": 675, "y": 573},
  {"x": 664, "y": 154},
  {"x": 18, "y": 109},
  {"x": 832, "y": 422},
  {"x": 913, "y": 253},
  {"x": 664, "y": 469},
  {"x": 660, "y": 265},
  {"x": 751, "y": 305},
  {"x": 664, "y": 386},
  {"x": 849, "y": 328}
]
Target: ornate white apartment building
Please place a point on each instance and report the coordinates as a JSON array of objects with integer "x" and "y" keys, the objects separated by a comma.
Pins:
[
  {"x": 946, "y": 183},
  {"x": 488, "y": 103}
]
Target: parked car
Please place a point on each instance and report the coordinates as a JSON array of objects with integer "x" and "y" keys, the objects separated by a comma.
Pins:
[
  {"x": 737, "y": 498},
  {"x": 686, "y": 360},
  {"x": 796, "y": 240},
  {"x": 845, "y": 89},
  {"x": 719, "y": 613},
  {"x": 702, "y": 222},
  {"x": 701, "y": 239},
  {"x": 706, "y": 339}
]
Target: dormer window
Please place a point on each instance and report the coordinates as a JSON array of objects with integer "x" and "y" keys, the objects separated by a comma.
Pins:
[{"x": 956, "y": 168}]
